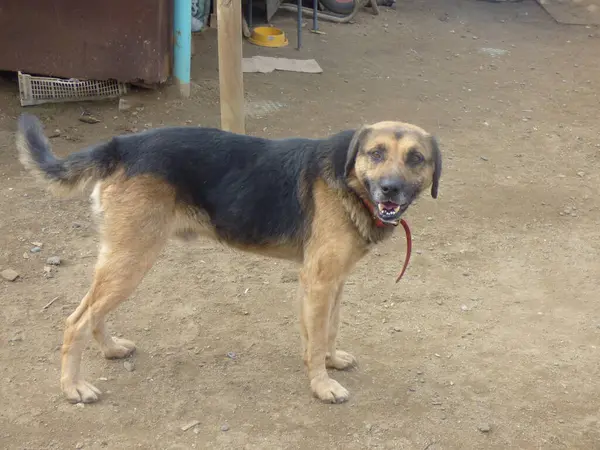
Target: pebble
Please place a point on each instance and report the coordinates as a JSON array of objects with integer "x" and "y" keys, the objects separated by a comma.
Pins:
[
  {"x": 464, "y": 308},
  {"x": 79, "y": 445},
  {"x": 397, "y": 329},
  {"x": 9, "y": 274},
  {"x": 89, "y": 119},
  {"x": 289, "y": 277},
  {"x": 129, "y": 366},
  {"x": 192, "y": 424},
  {"x": 231, "y": 355},
  {"x": 485, "y": 428},
  {"x": 53, "y": 261},
  {"x": 16, "y": 338},
  {"x": 124, "y": 105},
  {"x": 224, "y": 427},
  {"x": 56, "y": 133},
  {"x": 48, "y": 272},
  {"x": 35, "y": 249}
]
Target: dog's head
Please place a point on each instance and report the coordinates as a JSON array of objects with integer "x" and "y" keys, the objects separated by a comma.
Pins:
[{"x": 391, "y": 163}]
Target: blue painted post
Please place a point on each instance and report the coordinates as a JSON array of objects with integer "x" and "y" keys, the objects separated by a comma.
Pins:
[
  {"x": 182, "y": 52},
  {"x": 299, "y": 24}
]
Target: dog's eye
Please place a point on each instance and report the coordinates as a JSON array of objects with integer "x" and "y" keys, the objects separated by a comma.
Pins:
[
  {"x": 415, "y": 157},
  {"x": 377, "y": 155}
]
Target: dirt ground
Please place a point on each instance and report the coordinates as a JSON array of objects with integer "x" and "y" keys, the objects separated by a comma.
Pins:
[{"x": 491, "y": 340}]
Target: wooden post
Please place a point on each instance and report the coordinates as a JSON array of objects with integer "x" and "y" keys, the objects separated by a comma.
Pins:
[{"x": 231, "y": 79}]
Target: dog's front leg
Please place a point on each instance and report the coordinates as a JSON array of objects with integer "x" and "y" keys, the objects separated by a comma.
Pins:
[
  {"x": 337, "y": 359},
  {"x": 321, "y": 278}
]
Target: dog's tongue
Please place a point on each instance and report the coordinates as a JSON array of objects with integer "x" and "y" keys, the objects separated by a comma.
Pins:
[{"x": 389, "y": 205}]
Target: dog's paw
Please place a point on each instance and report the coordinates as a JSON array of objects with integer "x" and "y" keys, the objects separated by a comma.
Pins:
[
  {"x": 80, "y": 391},
  {"x": 328, "y": 390},
  {"x": 341, "y": 360},
  {"x": 121, "y": 349}
]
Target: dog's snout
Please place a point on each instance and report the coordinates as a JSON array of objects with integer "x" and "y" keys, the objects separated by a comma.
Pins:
[{"x": 390, "y": 187}]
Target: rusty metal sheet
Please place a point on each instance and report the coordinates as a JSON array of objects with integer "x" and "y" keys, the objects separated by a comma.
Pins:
[{"x": 108, "y": 39}]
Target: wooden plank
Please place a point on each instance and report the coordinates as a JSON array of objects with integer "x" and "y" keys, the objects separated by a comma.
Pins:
[{"x": 231, "y": 79}]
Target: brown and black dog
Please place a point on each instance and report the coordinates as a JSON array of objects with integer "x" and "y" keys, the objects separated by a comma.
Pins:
[{"x": 323, "y": 203}]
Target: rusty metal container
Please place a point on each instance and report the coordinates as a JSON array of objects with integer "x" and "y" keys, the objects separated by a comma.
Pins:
[{"x": 125, "y": 40}]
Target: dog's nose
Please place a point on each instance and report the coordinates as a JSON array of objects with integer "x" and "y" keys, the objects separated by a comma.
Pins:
[{"x": 390, "y": 187}]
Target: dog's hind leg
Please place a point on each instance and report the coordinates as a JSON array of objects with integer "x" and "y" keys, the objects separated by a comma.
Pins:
[{"x": 135, "y": 226}]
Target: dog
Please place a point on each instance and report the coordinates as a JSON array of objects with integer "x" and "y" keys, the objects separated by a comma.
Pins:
[{"x": 320, "y": 202}]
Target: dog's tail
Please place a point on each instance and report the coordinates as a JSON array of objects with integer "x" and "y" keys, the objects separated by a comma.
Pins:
[{"x": 63, "y": 176}]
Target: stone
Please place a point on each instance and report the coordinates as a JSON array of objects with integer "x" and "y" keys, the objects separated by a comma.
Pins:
[
  {"x": 53, "y": 261},
  {"x": 89, "y": 119},
  {"x": 9, "y": 274},
  {"x": 190, "y": 425},
  {"x": 124, "y": 105},
  {"x": 485, "y": 427},
  {"x": 129, "y": 366}
]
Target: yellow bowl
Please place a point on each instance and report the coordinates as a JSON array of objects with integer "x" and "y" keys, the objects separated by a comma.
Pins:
[{"x": 268, "y": 37}]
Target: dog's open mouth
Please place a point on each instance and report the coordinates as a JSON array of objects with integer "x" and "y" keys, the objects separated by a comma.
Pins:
[{"x": 389, "y": 211}]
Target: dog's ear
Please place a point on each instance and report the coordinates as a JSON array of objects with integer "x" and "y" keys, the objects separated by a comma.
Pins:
[
  {"x": 437, "y": 172},
  {"x": 355, "y": 144}
]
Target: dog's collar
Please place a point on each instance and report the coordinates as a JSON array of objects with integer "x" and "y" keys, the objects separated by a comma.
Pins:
[{"x": 381, "y": 224}]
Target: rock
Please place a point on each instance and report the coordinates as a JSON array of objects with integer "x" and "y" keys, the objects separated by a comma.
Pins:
[
  {"x": 484, "y": 158},
  {"x": 16, "y": 338},
  {"x": 124, "y": 105},
  {"x": 9, "y": 274},
  {"x": 397, "y": 329},
  {"x": 48, "y": 272},
  {"x": 231, "y": 355},
  {"x": 35, "y": 249},
  {"x": 129, "y": 366},
  {"x": 79, "y": 445},
  {"x": 485, "y": 427},
  {"x": 190, "y": 425},
  {"x": 89, "y": 119},
  {"x": 224, "y": 427},
  {"x": 464, "y": 308},
  {"x": 56, "y": 133},
  {"x": 76, "y": 225},
  {"x": 289, "y": 277},
  {"x": 53, "y": 261}
]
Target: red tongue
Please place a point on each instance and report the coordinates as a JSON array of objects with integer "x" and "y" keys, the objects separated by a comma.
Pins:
[{"x": 389, "y": 205}]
